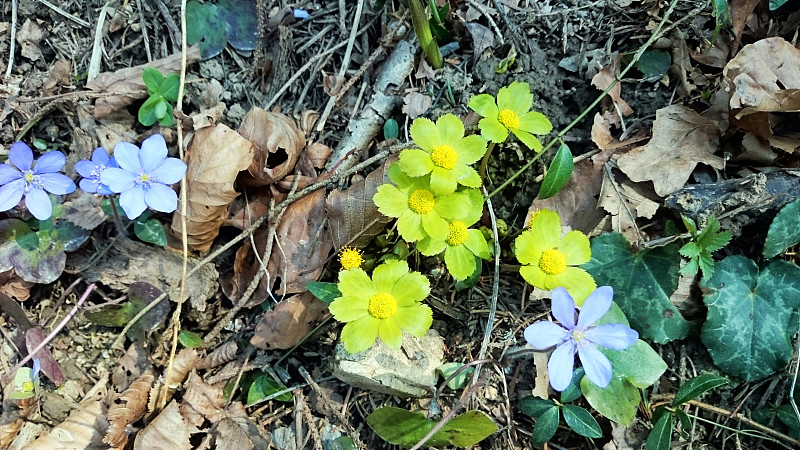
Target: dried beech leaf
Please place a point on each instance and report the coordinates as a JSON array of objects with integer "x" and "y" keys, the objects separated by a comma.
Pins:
[
  {"x": 201, "y": 401},
  {"x": 131, "y": 366},
  {"x": 167, "y": 430},
  {"x": 126, "y": 85},
  {"x": 184, "y": 362},
  {"x": 236, "y": 431},
  {"x": 14, "y": 286},
  {"x": 9, "y": 431},
  {"x": 278, "y": 144},
  {"x": 128, "y": 407},
  {"x": 289, "y": 321},
  {"x": 318, "y": 154},
  {"x": 214, "y": 158},
  {"x": 221, "y": 355},
  {"x": 84, "y": 428},
  {"x": 353, "y": 217},
  {"x": 626, "y": 202},
  {"x": 603, "y": 79}
]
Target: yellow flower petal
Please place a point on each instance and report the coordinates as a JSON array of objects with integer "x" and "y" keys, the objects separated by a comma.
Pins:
[
  {"x": 577, "y": 282},
  {"x": 575, "y": 247},
  {"x": 359, "y": 335}
]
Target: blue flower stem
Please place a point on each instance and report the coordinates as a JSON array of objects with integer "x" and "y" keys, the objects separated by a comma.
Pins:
[
  {"x": 117, "y": 218},
  {"x": 485, "y": 160}
]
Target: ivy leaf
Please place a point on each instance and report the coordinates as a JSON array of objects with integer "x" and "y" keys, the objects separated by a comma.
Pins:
[
  {"x": 698, "y": 386},
  {"x": 783, "y": 231},
  {"x": 559, "y": 173},
  {"x": 749, "y": 327},
  {"x": 643, "y": 283},
  {"x": 581, "y": 421},
  {"x": 546, "y": 426}
]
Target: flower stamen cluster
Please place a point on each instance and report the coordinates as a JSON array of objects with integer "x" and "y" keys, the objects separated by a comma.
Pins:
[{"x": 350, "y": 258}]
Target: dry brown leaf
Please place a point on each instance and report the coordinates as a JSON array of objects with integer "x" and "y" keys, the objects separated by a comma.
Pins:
[
  {"x": 126, "y": 85},
  {"x": 764, "y": 76},
  {"x": 128, "y": 407},
  {"x": 318, "y": 154},
  {"x": 604, "y": 139},
  {"x": 60, "y": 76},
  {"x": 131, "y": 366},
  {"x": 214, "y": 158},
  {"x": 289, "y": 321},
  {"x": 236, "y": 431},
  {"x": 207, "y": 117},
  {"x": 353, "y": 218},
  {"x": 167, "y": 430},
  {"x": 755, "y": 151},
  {"x": 15, "y": 287},
  {"x": 201, "y": 401},
  {"x": 541, "y": 386},
  {"x": 184, "y": 362},
  {"x": 247, "y": 208},
  {"x": 35, "y": 336},
  {"x": 603, "y": 79},
  {"x": 788, "y": 144},
  {"x": 28, "y": 37},
  {"x": 84, "y": 428},
  {"x": 625, "y": 202},
  {"x": 278, "y": 144},
  {"x": 740, "y": 10},
  {"x": 482, "y": 38},
  {"x": 221, "y": 355},
  {"x": 415, "y": 104},
  {"x": 681, "y": 139},
  {"x": 9, "y": 431}
]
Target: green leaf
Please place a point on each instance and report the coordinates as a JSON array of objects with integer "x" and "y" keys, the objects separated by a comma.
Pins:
[
  {"x": 460, "y": 380},
  {"x": 170, "y": 87},
  {"x": 36, "y": 256},
  {"x": 573, "y": 390},
  {"x": 749, "y": 325},
  {"x": 618, "y": 401},
  {"x": 643, "y": 283},
  {"x": 786, "y": 414},
  {"x": 685, "y": 421},
  {"x": 783, "y": 231},
  {"x": 775, "y": 4},
  {"x": 140, "y": 295},
  {"x": 546, "y": 426},
  {"x": 698, "y": 386},
  {"x": 189, "y": 339},
  {"x": 152, "y": 78},
  {"x": 691, "y": 250},
  {"x": 660, "y": 436},
  {"x": 689, "y": 224},
  {"x": 205, "y": 26},
  {"x": 168, "y": 119},
  {"x": 533, "y": 406},
  {"x": 147, "y": 112},
  {"x": 559, "y": 173},
  {"x": 706, "y": 264},
  {"x": 264, "y": 386},
  {"x": 581, "y": 421},
  {"x": 160, "y": 110},
  {"x": 660, "y": 411},
  {"x": 639, "y": 364},
  {"x": 326, "y": 292},
  {"x": 654, "y": 64},
  {"x": 241, "y": 19},
  {"x": 150, "y": 231},
  {"x": 343, "y": 442},
  {"x": 40, "y": 144},
  {"x": 405, "y": 428},
  {"x": 390, "y": 129}
]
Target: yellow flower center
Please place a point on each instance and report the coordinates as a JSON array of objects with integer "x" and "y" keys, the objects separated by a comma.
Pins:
[
  {"x": 421, "y": 201},
  {"x": 382, "y": 306},
  {"x": 350, "y": 258},
  {"x": 144, "y": 177},
  {"x": 553, "y": 262},
  {"x": 27, "y": 386},
  {"x": 577, "y": 334},
  {"x": 29, "y": 177},
  {"x": 508, "y": 118},
  {"x": 457, "y": 233},
  {"x": 444, "y": 156}
]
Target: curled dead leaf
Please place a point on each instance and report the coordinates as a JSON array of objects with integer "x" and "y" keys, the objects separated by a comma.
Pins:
[
  {"x": 603, "y": 79},
  {"x": 128, "y": 407},
  {"x": 288, "y": 322},
  {"x": 278, "y": 144},
  {"x": 184, "y": 362},
  {"x": 221, "y": 355}
]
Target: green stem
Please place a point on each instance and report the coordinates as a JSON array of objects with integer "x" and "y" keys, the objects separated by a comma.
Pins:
[
  {"x": 423, "y": 31},
  {"x": 594, "y": 103},
  {"x": 117, "y": 218},
  {"x": 485, "y": 160}
]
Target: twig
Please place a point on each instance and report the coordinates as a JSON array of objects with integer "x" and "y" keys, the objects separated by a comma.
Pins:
[
  {"x": 13, "y": 38},
  {"x": 521, "y": 43},
  {"x": 487, "y": 333},
  {"x": 489, "y": 19},
  {"x": 97, "y": 53},
  {"x": 143, "y": 24},
  {"x": 69, "y": 16}
]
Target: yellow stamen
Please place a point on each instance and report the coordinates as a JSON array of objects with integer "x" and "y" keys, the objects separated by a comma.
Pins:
[
  {"x": 508, "y": 118},
  {"x": 350, "y": 258},
  {"x": 553, "y": 262},
  {"x": 444, "y": 156},
  {"x": 457, "y": 233},
  {"x": 382, "y": 306},
  {"x": 421, "y": 201},
  {"x": 29, "y": 177}
]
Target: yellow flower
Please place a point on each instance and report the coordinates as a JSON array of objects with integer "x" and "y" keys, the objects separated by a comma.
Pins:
[
  {"x": 549, "y": 260},
  {"x": 350, "y": 258}
]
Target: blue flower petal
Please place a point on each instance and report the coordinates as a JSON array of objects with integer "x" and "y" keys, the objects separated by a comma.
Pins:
[
  {"x": 38, "y": 203},
  {"x": 11, "y": 194},
  {"x": 560, "y": 366},
  {"x": 563, "y": 307},
  {"x": 132, "y": 202},
  {"x": 596, "y": 365},
  {"x": 615, "y": 336},
  {"x": 118, "y": 180},
  {"x": 153, "y": 153},
  {"x": 9, "y": 173},
  {"x": 85, "y": 168},
  {"x": 100, "y": 156},
  {"x": 57, "y": 183},
  {"x": 171, "y": 171},
  {"x": 37, "y": 366},
  {"x": 595, "y": 306},
  {"x": 161, "y": 198},
  {"x": 20, "y": 155},
  {"x": 89, "y": 185},
  {"x": 49, "y": 162},
  {"x": 127, "y": 156},
  {"x": 544, "y": 334}
]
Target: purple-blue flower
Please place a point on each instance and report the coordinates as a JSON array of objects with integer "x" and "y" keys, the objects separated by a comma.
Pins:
[
  {"x": 582, "y": 337},
  {"x": 91, "y": 170},
  {"x": 32, "y": 179},
  {"x": 143, "y": 176}
]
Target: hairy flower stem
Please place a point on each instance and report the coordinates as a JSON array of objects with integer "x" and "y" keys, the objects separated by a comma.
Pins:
[{"x": 485, "y": 161}]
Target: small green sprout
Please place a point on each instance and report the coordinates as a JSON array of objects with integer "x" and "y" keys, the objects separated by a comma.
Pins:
[
  {"x": 511, "y": 112},
  {"x": 419, "y": 211},
  {"x": 162, "y": 91},
  {"x": 385, "y": 306},
  {"x": 444, "y": 153},
  {"x": 699, "y": 249}
]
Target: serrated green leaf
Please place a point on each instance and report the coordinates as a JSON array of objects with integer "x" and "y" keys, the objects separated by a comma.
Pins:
[
  {"x": 749, "y": 325},
  {"x": 189, "y": 339},
  {"x": 660, "y": 436},
  {"x": 326, "y": 292},
  {"x": 618, "y": 401},
  {"x": 581, "y": 421},
  {"x": 711, "y": 229},
  {"x": 546, "y": 425},
  {"x": 643, "y": 283},
  {"x": 719, "y": 241},
  {"x": 150, "y": 231},
  {"x": 706, "y": 264},
  {"x": 559, "y": 173},
  {"x": 691, "y": 267},
  {"x": 691, "y": 250},
  {"x": 152, "y": 78},
  {"x": 698, "y": 386},
  {"x": 783, "y": 231},
  {"x": 573, "y": 390},
  {"x": 639, "y": 364},
  {"x": 460, "y": 380},
  {"x": 533, "y": 406}
]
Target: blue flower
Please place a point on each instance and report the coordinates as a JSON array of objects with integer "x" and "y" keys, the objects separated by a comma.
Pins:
[
  {"x": 143, "y": 176},
  {"x": 91, "y": 170},
  {"x": 30, "y": 178},
  {"x": 583, "y": 337}
]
